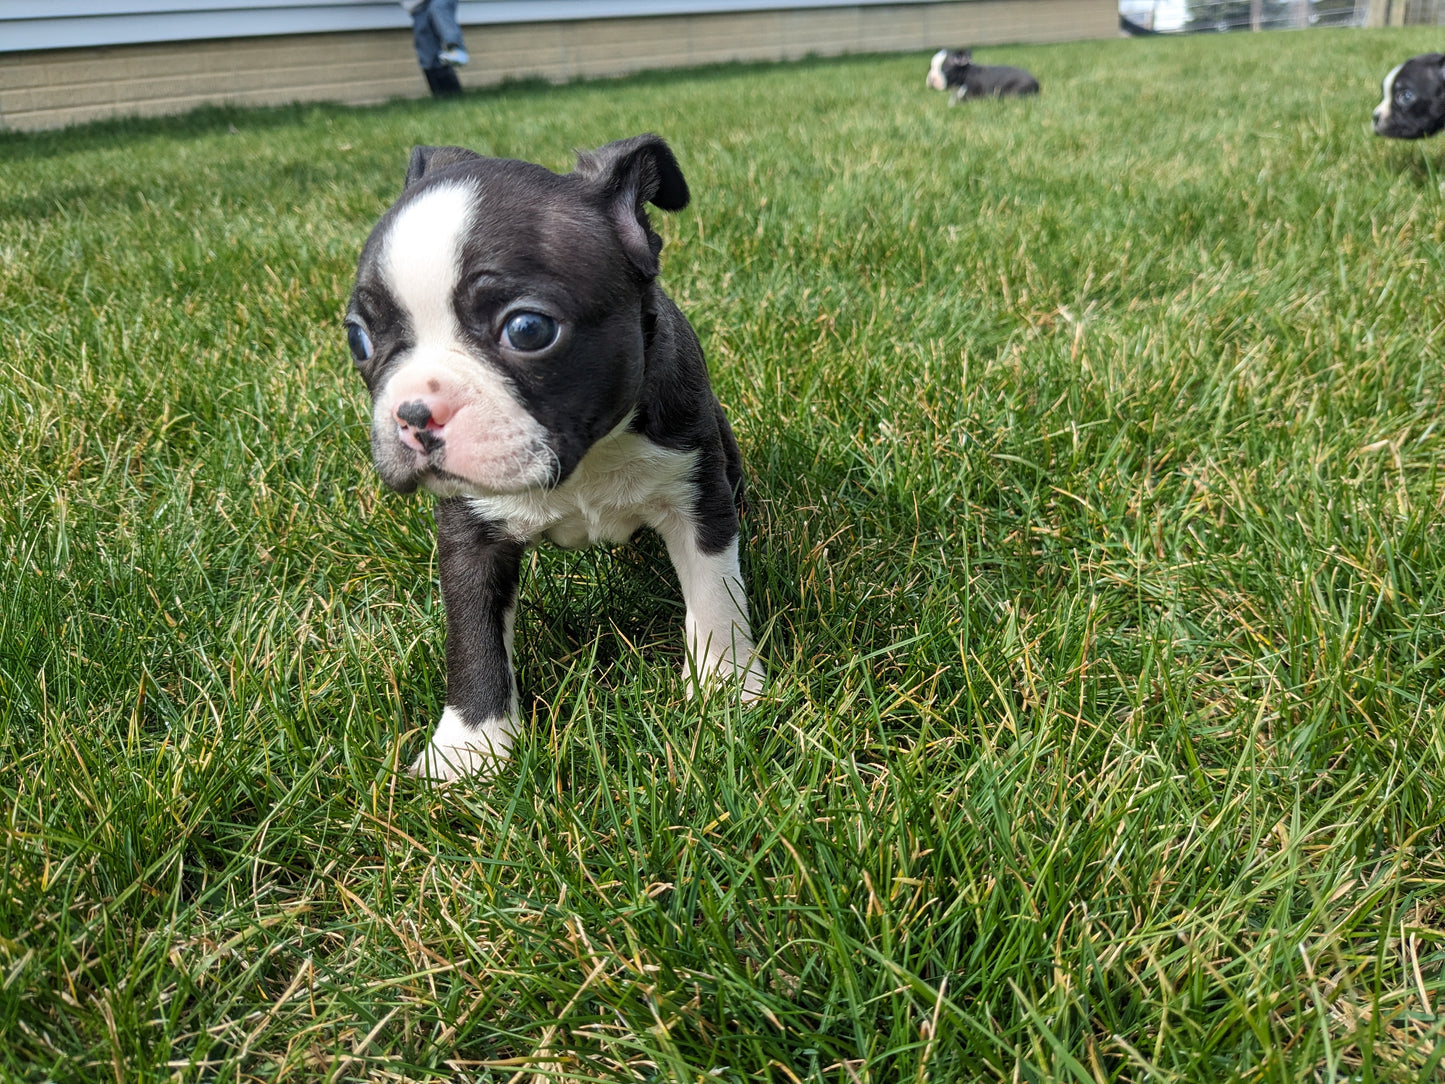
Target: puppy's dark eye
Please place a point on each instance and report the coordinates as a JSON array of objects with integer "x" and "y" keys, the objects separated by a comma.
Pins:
[
  {"x": 359, "y": 341},
  {"x": 529, "y": 331},
  {"x": 1404, "y": 96}
]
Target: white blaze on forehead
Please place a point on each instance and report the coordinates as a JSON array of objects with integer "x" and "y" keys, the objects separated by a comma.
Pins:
[
  {"x": 422, "y": 258},
  {"x": 1387, "y": 87}
]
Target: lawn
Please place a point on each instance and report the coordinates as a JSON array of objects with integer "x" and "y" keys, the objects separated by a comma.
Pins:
[{"x": 1096, "y": 447}]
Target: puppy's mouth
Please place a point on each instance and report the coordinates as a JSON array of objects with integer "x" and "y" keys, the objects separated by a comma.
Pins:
[
  {"x": 419, "y": 430},
  {"x": 437, "y": 481},
  {"x": 461, "y": 457},
  {"x": 450, "y": 425}
]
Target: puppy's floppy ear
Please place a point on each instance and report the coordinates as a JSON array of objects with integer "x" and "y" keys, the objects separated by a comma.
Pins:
[
  {"x": 628, "y": 174},
  {"x": 426, "y": 160}
]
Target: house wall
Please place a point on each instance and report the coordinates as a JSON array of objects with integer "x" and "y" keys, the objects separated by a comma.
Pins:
[{"x": 46, "y": 88}]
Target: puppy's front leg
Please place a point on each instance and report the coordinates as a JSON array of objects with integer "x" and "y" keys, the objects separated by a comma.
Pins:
[
  {"x": 719, "y": 643},
  {"x": 480, "y": 568}
]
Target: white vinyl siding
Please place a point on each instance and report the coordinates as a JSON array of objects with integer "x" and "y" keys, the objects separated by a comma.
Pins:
[{"x": 69, "y": 24}]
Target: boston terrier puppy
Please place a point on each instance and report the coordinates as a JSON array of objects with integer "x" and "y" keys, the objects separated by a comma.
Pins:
[
  {"x": 526, "y": 368},
  {"x": 955, "y": 68},
  {"x": 1414, "y": 99}
]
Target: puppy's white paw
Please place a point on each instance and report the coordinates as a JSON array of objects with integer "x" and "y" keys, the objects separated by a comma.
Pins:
[
  {"x": 753, "y": 679},
  {"x": 458, "y": 750},
  {"x": 719, "y": 671}
]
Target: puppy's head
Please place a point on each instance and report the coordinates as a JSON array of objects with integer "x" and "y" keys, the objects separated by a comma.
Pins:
[
  {"x": 499, "y": 313},
  {"x": 948, "y": 68},
  {"x": 1414, "y": 99}
]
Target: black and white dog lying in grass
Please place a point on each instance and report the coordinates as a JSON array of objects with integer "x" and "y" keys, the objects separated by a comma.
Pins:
[
  {"x": 525, "y": 366},
  {"x": 955, "y": 69},
  {"x": 1414, "y": 99}
]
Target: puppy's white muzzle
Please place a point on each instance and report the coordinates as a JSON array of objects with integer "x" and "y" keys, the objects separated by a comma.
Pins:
[{"x": 449, "y": 424}]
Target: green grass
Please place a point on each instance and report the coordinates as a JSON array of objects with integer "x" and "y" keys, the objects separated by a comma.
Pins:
[{"x": 1096, "y": 449}]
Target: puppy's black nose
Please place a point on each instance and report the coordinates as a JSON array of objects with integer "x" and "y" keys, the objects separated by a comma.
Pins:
[{"x": 416, "y": 414}]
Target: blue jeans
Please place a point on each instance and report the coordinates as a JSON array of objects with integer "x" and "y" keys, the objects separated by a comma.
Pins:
[{"x": 433, "y": 28}]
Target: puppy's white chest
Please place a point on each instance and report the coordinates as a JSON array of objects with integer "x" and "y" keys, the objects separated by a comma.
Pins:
[{"x": 623, "y": 483}]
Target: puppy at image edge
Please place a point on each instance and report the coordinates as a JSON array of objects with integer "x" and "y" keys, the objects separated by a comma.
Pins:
[
  {"x": 526, "y": 368},
  {"x": 1413, "y": 103}
]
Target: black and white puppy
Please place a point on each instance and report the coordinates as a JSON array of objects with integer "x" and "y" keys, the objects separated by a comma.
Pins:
[
  {"x": 1414, "y": 99},
  {"x": 955, "y": 68},
  {"x": 525, "y": 366}
]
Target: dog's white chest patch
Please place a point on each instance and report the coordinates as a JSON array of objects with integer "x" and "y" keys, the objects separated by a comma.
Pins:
[{"x": 624, "y": 482}]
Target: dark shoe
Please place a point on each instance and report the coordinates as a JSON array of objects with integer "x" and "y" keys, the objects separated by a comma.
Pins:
[{"x": 443, "y": 82}]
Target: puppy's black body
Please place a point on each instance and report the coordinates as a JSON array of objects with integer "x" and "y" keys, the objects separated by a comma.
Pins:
[
  {"x": 526, "y": 367},
  {"x": 955, "y": 70},
  {"x": 1413, "y": 103}
]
